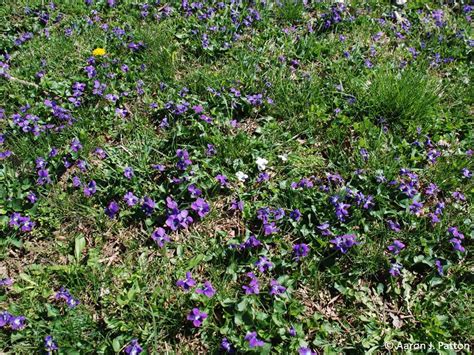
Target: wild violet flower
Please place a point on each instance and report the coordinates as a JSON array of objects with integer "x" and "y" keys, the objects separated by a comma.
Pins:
[
  {"x": 253, "y": 288},
  {"x": 344, "y": 242},
  {"x": 251, "y": 242},
  {"x": 263, "y": 264},
  {"x": 396, "y": 247},
  {"x": 295, "y": 215},
  {"x": 270, "y": 228},
  {"x": 261, "y": 163},
  {"x": 300, "y": 251},
  {"x": 128, "y": 172},
  {"x": 197, "y": 317},
  {"x": 439, "y": 267},
  {"x": 237, "y": 205},
  {"x": 49, "y": 344},
  {"x": 395, "y": 226},
  {"x": 226, "y": 345},
  {"x": 454, "y": 231},
  {"x": 194, "y": 190},
  {"x": 6, "y": 282},
  {"x": 17, "y": 323},
  {"x": 133, "y": 348},
  {"x": 292, "y": 331},
  {"x": 76, "y": 145},
  {"x": 90, "y": 188},
  {"x": 160, "y": 237},
  {"x": 395, "y": 269},
  {"x": 324, "y": 228},
  {"x": 276, "y": 288},
  {"x": 201, "y": 207},
  {"x": 222, "y": 180},
  {"x": 187, "y": 283},
  {"x": 253, "y": 341},
  {"x": 207, "y": 290},
  {"x": 241, "y": 176},
  {"x": 112, "y": 209},
  {"x": 466, "y": 173},
  {"x": 148, "y": 205},
  {"x": 306, "y": 351},
  {"x": 5, "y": 319},
  {"x": 457, "y": 245},
  {"x": 64, "y": 295},
  {"x": 130, "y": 199},
  {"x": 183, "y": 159}
]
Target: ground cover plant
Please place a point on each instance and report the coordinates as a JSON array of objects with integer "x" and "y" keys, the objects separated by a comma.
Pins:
[{"x": 235, "y": 177}]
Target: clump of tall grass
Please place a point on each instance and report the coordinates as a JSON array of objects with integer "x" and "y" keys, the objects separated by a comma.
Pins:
[{"x": 404, "y": 98}]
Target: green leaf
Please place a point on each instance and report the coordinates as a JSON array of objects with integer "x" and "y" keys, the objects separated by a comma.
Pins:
[{"x": 79, "y": 245}]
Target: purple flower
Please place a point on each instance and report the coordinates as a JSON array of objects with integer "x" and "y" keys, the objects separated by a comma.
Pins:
[
  {"x": 306, "y": 351},
  {"x": 270, "y": 228},
  {"x": 4, "y": 318},
  {"x": 300, "y": 250},
  {"x": 457, "y": 245},
  {"x": 187, "y": 283},
  {"x": 49, "y": 344},
  {"x": 341, "y": 210},
  {"x": 222, "y": 179},
  {"x": 416, "y": 207},
  {"x": 395, "y": 269},
  {"x": 148, "y": 205},
  {"x": 396, "y": 247},
  {"x": 17, "y": 323},
  {"x": 455, "y": 232},
  {"x": 201, "y": 207},
  {"x": 6, "y": 282},
  {"x": 179, "y": 219},
  {"x": 237, "y": 205},
  {"x": 226, "y": 345},
  {"x": 100, "y": 153},
  {"x": 128, "y": 172},
  {"x": 194, "y": 190},
  {"x": 251, "y": 242},
  {"x": 263, "y": 264},
  {"x": 458, "y": 196},
  {"x": 130, "y": 199},
  {"x": 207, "y": 290},
  {"x": 64, "y": 295},
  {"x": 133, "y": 348},
  {"x": 211, "y": 151},
  {"x": 32, "y": 197},
  {"x": 76, "y": 145},
  {"x": 394, "y": 225},
  {"x": 76, "y": 182},
  {"x": 276, "y": 288},
  {"x": 324, "y": 228},
  {"x": 439, "y": 267},
  {"x": 160, "y": 237},
  {"x": 292, "y": 331},
  {"x": 90, "y": 189},
  {"x": 183, "y": 159},
  {"x": 364, "y": 154},
  {"x": 197, "y": 317},
  {"x": 253, "y": 340},
  {"x": 253, "y": 288},
  {"x": 344, "y": 242},
  {"x": 295, "y": 215},
  {"x": 112, "y": 209},
  {"x": 466, "y": 173}
]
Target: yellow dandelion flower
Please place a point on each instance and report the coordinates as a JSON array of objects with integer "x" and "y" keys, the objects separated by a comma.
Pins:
[{"x": 98, "y": 52}]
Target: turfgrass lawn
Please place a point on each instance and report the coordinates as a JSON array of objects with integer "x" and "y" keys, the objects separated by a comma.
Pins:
[{"x": 186, "y": 177}]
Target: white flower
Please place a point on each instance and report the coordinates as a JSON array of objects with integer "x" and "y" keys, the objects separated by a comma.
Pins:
[
  {"x": 261, "y": 163},
  {"x": 241, "y": 176},
  {"x": 283, "y": 157}
]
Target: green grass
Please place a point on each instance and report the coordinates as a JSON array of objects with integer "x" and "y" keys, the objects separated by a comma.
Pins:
[{"x": 321, "y": 105}]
